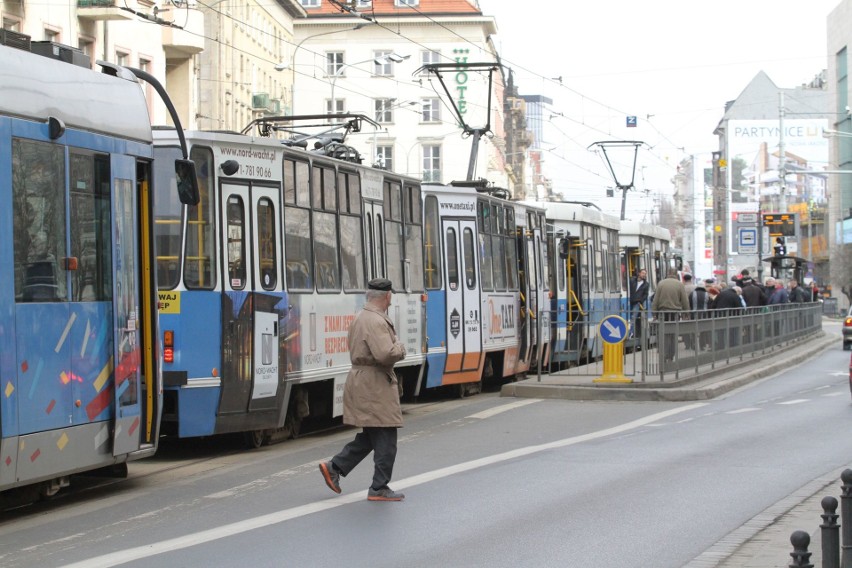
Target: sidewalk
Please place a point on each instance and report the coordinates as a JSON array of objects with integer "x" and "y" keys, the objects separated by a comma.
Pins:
[{"x": 764, "y": 540}]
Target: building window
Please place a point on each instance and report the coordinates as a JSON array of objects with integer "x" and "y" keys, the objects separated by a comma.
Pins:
[
  {"x": 364, "y": 4},
  {"x": 334, "y": 63},
  {"x": 384, "y": 69},
  {"x": 431, "y": 110},
  {"x": 407, "y": 2},
  {"x": 51, "y": 35},
  {"x": 121, "y": 58},
  {"x": 384, "y": 110},
  {"x": 336, "y": 108},
  {"x": 428, "y": 57},
  {"x": 432, "y": 162},
  {"x": 384, "y": 157},
  {"x": 11, "y": 24},
  {"x": 310, "y": 3}
]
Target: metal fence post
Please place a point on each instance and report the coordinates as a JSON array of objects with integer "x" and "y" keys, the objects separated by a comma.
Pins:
[
  {"x": 846, "y": 518},
  {"x": 801, "y": 557},
  {"x": 830, "y": 532},
  {"x": 540, "y": 346}
]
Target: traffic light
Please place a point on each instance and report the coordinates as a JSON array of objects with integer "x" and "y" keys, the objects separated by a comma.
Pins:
[{"x": 780, "y": 247}]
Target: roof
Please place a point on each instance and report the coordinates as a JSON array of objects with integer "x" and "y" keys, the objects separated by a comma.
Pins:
[{"x": 390, "y": 8}]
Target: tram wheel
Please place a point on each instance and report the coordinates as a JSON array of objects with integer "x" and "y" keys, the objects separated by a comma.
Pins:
[{"x": 256, "y": 438}]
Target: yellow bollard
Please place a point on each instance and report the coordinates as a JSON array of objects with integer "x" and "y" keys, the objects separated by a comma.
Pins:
[{"x": 613, "y": 330}]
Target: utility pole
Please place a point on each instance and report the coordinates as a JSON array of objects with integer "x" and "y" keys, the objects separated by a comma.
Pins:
[{"x": 782, "y": 167}]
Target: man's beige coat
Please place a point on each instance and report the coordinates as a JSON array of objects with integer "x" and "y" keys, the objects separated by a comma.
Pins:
[{"x": 371, "y": 395}]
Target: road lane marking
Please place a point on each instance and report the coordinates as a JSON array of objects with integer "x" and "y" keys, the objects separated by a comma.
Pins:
[
  {"x": 503, "y": 408},
  {"x": 264, "y": 521},
  {"x": 741, "y": 410},
  {"x": 835, "y": 394},
  {"x": 795, "y": 401}
]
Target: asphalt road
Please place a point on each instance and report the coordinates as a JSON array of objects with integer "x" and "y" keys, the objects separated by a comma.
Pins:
[{"x": 488, "y": 482}]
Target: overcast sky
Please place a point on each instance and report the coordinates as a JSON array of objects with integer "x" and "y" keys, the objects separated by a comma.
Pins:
[{"x": 671, "y": 63}]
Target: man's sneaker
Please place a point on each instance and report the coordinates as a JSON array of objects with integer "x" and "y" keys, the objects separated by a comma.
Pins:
[
  {"x": 332, "y": 478},
  {"x": 384, "y": 494}
]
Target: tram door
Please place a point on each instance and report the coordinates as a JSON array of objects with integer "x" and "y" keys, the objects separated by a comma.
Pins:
[
  {"x": 464, "y": 336},
  {"x": 126, "y": 305},
  {"x": 252, "y": 287}
]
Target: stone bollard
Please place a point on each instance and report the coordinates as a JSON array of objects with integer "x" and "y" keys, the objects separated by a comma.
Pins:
[
  {"x": 801, "y": 557},
  {"x": 846, "y": 518},
  {"x": 830, "y": 531}
]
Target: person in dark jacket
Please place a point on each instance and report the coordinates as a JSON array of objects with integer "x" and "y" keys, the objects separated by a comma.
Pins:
[
  {"x": 699, "y": 304},
  {"x": 752, "y": 293},
  {"x": 728, "y": 305},
  {"x": 779, "y": 296},
  {"x": 638, "y": 297},
  {"x": 798, "y": 295}
]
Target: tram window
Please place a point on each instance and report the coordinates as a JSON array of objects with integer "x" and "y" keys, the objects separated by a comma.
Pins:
[
  {"x": 560, "y": 273},
  {"x": 380, "y": 248},
  {"x": 393, "y": 234},
  {"x": 511, "y": 263},
  {"x": 432, "y": 246},
  {"x": 469, "y": 260},
  {"x": 329, "y": 190},
  {"x": 168, "y": 220},
  {"x": 485, "y": 252},
  {"x": 354, "y": 193},
  {"x": 91, "y": 242},
  {"x": 393, "y": 201},
  {"x": 325, "y": 252},
  {"x": 297, "y": 244},
  {"x": 198, "y": 268},
  {"x": 545, "y": 266},
  {"x": 498, "y": 265},
  {"x": 302, "y": 184},
  {"x": 452, "y": 260},
  {"x": 267, "y": 244},
  {"x": 352, "y": 259},
  {"x": 413, "y": 233},
  {"x": 236, "y": 235},
  {"x": 289, "y": 181},
  {"x": 369, "y": 247},
  {"x": 38, "y": 187}
]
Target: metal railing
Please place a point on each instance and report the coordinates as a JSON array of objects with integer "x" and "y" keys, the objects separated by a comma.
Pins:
[{"x": 664, "y": 346}]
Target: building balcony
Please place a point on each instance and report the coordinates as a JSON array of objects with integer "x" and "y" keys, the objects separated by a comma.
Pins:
[
  {"x": 103, "y": 10},
  {"x": 181, "y": 43}
]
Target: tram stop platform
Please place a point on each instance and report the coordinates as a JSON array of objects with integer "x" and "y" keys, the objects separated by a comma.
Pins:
[{"x": 687, "y": 384}]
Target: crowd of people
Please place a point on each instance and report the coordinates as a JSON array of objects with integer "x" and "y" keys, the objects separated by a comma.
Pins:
[
  {"x": 746, "y": 292},
  {"x": 679, "y": 297}
]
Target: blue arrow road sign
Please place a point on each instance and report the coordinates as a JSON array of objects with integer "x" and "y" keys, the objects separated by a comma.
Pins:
[{"x": 613, "y": 329}]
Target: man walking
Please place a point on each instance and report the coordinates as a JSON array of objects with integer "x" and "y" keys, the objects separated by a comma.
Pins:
[
  {"x": 670, "y": 301},
  {"x": 371, "y": 396}
]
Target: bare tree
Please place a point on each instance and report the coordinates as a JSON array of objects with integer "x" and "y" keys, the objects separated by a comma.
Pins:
[{"x": 841, "y": 269}]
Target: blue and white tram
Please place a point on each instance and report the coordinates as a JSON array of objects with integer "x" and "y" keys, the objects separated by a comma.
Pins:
[
  {"x": 259, "y": 282},
  {"x": 585, "y": 281},
  {"x": 78, "y": 321},
  {"x": 486, "y": 281}
]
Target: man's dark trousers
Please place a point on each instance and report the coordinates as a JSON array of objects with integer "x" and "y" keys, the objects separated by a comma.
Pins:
[{"x": 380, "y": 441}]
